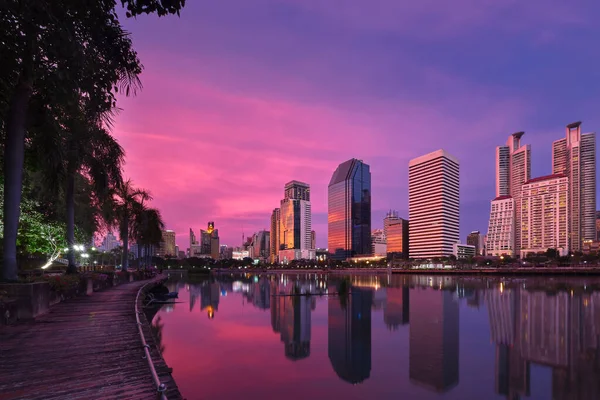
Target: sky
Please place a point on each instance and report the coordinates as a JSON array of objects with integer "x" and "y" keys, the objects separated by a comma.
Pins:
[{"x": 240, "y": 97}]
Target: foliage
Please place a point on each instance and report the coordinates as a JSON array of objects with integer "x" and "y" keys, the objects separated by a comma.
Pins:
[{"x": 63, "y": 284}]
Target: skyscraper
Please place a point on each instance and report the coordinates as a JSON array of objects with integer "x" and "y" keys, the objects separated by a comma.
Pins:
[
  {"x": 513, "y": 168},
  {"x": 544, "y": 214},
  {"x": 167, "y": 244},
  {"x": 575, "y": 156},
  {"x": 274, "y": 238},
  {"x": 433, "y": 205},
  {"x": 295, "y": 217},
  {"x": 349, "y": 210}
]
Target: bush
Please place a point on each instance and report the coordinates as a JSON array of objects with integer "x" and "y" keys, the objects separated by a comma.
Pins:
[{"x": 63, "y": 284}]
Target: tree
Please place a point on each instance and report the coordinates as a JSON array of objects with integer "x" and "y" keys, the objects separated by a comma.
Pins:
[
  {"x": 55, "y": 47},
  {"x": 127, "y": 203},
  {"x": 147, "y": 229}
]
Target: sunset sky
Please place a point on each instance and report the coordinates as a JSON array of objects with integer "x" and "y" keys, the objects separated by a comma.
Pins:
[{"x": 242, "y": 96}]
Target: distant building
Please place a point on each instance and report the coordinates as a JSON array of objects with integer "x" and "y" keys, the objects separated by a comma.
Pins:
[
  {"x": 167, "y": 244},
  {"x": 397, "y": 238},
  {"x": 313, "y": 240},
  {"x": 261, "y": 245},
  {"x": 295, "y": 217},
  {"x": 513, "y": 168},
  {"x": 287, "y": 255},
  {"x": 349, "y": 210},
  {"x": 181, "y": 254},
  {"x": 545, "y": 214},
  {"x": 575, "y": 157},
  {"x": 274, "y": 235},
  {"x": 239, "y": 254},
  {"x": 208, "y": 246},
  {"x": 225, "y": 252},
  {"x": 433, "y": 205},
  {"x": 110, "y": 242},
  {"x": 378, "y": 243},
  {"x": 475, "y": 239},
  {"x": 390, "y": 217},
  {"x": 462, "y": 251},
  {"x": 500, "y": 239},
  {"x": 598, "y": 225}
]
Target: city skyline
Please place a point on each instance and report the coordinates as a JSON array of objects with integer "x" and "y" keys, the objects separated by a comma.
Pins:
[{"x": 232, "y": 109}]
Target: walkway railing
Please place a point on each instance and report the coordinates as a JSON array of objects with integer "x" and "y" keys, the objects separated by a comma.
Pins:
[{"x": 160, "y": 387}]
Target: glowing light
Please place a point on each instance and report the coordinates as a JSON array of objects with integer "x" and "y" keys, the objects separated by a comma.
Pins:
[{"x": 501, "y": 287}]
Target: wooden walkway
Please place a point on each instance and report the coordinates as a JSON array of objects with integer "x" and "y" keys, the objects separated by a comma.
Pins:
[{"x": 85, "y": 348}]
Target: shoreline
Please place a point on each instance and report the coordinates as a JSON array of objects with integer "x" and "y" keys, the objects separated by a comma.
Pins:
[{"x": 541, "y": 271}]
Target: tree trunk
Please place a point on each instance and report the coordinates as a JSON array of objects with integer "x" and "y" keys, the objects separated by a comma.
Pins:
[
  {"x": 70, "y": 200},
  {"x": 125, "y": 239},
  {"x": 14, "y": 154}
]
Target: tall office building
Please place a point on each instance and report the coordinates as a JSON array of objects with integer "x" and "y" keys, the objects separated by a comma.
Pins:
[
  {"x": 513, "y": 168},
  {"x": 575, "y": 156},
  {"x": 598, "y": 225},
  {"x": 545, "y": 214},
  {"x": 274, "y": 236},
  {"x": 433, "y": 205},
  {"x": 295, "y": 217},
  {"x": 110, "y": 242},
  {"x": 475, "y": 239},
  {"x": 214, "y": 241},
  {"x": 167, "y": 244},
  {"x": 397, "y": 237},
  {"x": 501, "y": 230},
  {"x": 389, "y": 218},
  {"x": 349, "y": 210}
]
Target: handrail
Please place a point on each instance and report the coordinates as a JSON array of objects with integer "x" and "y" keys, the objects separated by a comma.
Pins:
[{"x": 160, "y": 387}]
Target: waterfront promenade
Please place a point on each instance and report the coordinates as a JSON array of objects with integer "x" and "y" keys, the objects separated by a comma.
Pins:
[{"x": 84, "y": 348}]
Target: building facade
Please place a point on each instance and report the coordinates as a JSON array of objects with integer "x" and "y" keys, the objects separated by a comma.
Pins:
[
  {"x": 500, "y": 240},
  {"x": 349, "y": 210},
  {"x": 433, "y": 205},
  {"x": 389, "y": 218},
  {"x": 397, "y": 237},
  {"x": 274, "y": 235},
  {"x": 378, "y": 243},
  {"x": 464, "y": 251},
  {"x": 545, "y": 214},
  {"x": 295, "y": 221},
  {"x": 575, "y": 156},
  {"x": 513, "y": 168},
  {"x": 167, "y": 244},
  {"x": 475, "y": 239}
]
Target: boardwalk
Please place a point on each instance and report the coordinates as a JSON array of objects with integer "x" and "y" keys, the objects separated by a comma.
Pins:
[{"x": 85, "y": 348}]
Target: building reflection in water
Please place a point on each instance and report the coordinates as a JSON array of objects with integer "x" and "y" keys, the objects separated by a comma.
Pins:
[
  {"x": 396, "y": 309},
  {"x": 433, "y": 339},
  {"x": 349, "y": 334},
  {"x": 291, "y": 308},
  {"x": 558, "y": 330}
]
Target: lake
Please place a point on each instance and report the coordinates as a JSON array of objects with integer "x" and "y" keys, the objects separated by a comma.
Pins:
[{"x": 319, "y": 336}]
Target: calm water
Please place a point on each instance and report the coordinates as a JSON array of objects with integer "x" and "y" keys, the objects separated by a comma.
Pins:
[{"x": 415, "y": 337}]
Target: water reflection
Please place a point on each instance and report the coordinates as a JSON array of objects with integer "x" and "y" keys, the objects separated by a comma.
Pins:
[{"x": 366, "y": 325}]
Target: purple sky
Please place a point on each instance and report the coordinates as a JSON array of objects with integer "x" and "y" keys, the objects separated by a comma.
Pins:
[{"x": 241, "y": 97}]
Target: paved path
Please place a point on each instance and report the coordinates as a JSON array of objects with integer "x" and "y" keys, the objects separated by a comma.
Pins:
[{"x": 84, "y": 348}]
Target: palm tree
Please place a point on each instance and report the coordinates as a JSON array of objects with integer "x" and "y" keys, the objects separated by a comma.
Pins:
[
  {"x": 128, "y": 202},
  {"x": 148, "y": 226}
]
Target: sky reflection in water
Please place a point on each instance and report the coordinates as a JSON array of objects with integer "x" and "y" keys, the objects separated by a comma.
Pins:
[{"x": 421, "y": 337}]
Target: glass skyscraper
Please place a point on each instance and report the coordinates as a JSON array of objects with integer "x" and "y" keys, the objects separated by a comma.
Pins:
[{"x": 349, "y": 210}]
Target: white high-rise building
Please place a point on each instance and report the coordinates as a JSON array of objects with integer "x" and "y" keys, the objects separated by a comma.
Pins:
[
  {"x": 110, "y": 242},
  {"x": 545, "y": 214},
  {"x": 513, "y": 168},
  {"x": 500, "y": 237},
  {"x": 575, "y": 156},
  {"x": 433, "y": 205},
  {"x": 295, "y": 217}
]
